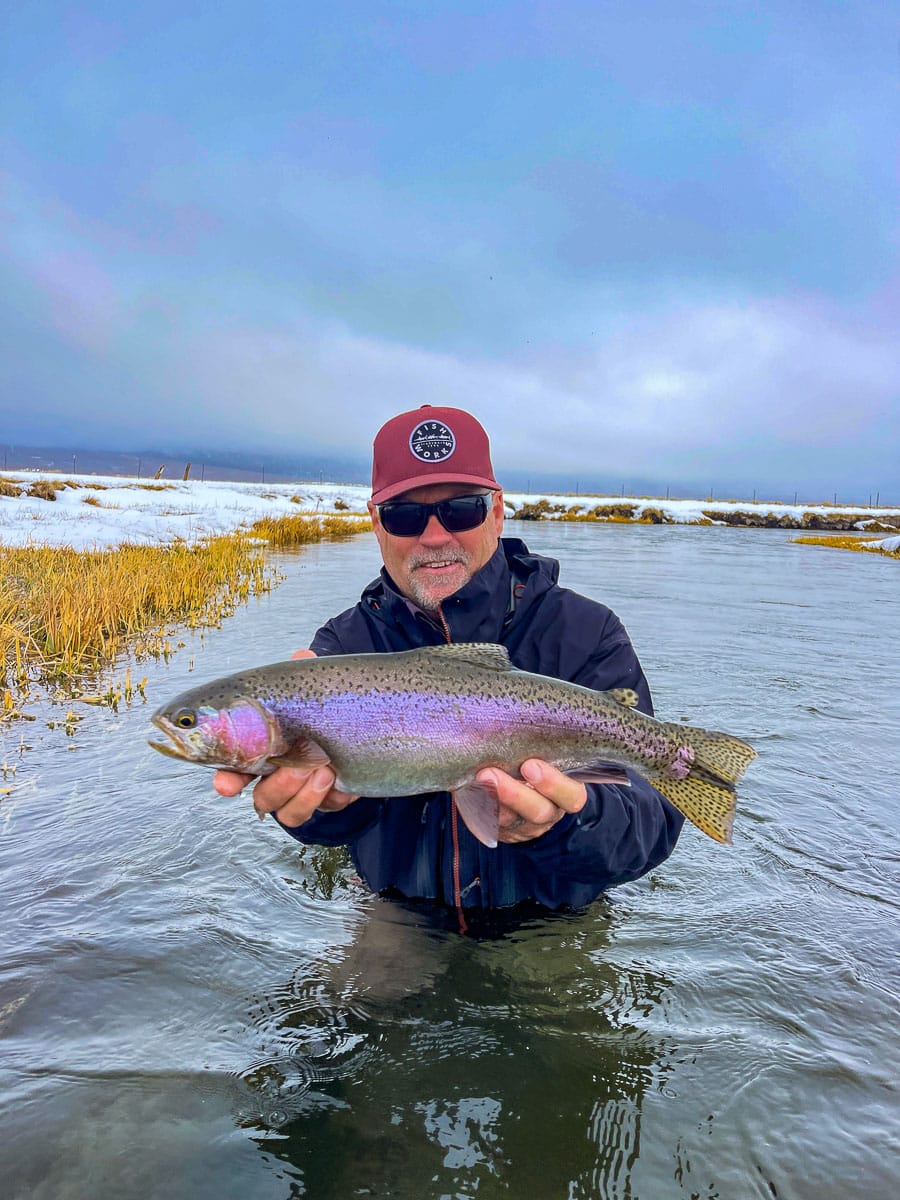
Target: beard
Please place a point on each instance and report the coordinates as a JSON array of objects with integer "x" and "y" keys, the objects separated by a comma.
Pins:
[{"x": 428, "y": 593}]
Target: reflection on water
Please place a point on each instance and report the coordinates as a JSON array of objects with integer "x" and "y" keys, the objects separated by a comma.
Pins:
[
  {"x": 425, "y": 1063},
  {"x": 192, "y": 1006}
]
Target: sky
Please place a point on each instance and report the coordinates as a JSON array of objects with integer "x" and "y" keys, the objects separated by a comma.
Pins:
[{"x": 637, "y": 240}]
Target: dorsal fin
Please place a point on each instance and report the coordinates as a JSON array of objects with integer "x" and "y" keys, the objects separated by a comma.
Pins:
[
  {"x": 486, "y": 655},
  {"x": 627, "y": 697}
]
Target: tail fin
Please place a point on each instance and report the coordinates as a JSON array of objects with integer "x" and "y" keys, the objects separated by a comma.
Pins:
[
  {"x": 719, "y": 755},
  {"x": 706, "y": 796},
  {"x": 709, "y": 805}
]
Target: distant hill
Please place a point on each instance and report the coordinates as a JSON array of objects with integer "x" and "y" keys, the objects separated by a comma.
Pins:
[
  {"x": 286, "y": 468},
  {"x": 254, "y": 468},
  {"x": 145, "y": 463}
]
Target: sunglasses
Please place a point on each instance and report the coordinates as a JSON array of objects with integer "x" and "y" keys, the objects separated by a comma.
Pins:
[{"x": 406, "y": 518}]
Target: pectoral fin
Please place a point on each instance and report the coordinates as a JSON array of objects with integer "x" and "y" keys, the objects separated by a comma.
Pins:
[
  {"x": 479, "y": 809},
  {"x": 304, "y": 754}
]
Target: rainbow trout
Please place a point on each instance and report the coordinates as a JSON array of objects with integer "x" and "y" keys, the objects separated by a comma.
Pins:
[{"x": 428, "y": 720}]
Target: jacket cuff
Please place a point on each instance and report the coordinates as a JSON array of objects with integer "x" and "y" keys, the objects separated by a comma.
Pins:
[{"x": 336, "y": 828}]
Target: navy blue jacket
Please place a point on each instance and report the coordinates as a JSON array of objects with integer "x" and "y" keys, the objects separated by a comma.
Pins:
[{"x": 405, "y": 846}]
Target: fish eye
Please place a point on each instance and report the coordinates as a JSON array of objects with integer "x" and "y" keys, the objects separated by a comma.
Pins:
[{"x": 185, "y": 718}]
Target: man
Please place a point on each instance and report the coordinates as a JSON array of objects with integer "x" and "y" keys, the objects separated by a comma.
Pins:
[{"x": 437, "y": 512}]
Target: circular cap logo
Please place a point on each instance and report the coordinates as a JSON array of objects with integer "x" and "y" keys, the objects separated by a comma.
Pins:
[{"x": 432, "y": 441}]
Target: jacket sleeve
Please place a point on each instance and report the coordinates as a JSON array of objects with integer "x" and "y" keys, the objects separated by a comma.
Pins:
[
  {"x": 337, "y": 828},
  {"x": 622, "y": 832},
  {"x": 325, "y": 641}
]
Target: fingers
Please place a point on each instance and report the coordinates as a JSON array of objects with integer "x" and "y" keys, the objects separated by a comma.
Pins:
[
  {"x": 563, "y": 791},
  {"x": 291, "y": 794},
  {"x": 295, "y": 796},
  {"x": 336, "y": 800},
  {"x": 528, "y": 809},
  {"x": 230, "y": 783}
]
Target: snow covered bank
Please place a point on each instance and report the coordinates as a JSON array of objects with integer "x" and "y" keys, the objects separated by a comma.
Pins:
[{"x": 100, "y": 511}]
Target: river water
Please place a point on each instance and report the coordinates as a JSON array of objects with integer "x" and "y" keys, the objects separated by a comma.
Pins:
[{"x": 193, "y": 1006}]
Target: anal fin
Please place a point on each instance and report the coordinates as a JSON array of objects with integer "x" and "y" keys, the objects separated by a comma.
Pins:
[{"x": 480, "y": 810}]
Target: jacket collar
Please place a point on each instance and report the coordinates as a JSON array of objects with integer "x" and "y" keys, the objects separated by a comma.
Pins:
[{"x": 478, "y": 611}]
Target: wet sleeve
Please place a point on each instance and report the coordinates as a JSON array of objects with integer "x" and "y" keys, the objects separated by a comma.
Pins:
[
  {"x": 337, "y": 828},
  {"x": 619, "y": 835},
  {"x": 325, "y": 641}
]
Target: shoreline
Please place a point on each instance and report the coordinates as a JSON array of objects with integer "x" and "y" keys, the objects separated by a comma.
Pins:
[
  {"x": 733, "y": 513},
  {"x": 94, "y": 511}
]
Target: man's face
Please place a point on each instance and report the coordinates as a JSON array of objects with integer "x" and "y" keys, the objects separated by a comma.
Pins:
[{"x": 434, "y": 565}]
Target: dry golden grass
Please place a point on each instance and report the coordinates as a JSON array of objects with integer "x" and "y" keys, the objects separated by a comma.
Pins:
[
  {"x": 614, "y": 518},
  {"x": 67, "y": 615},
  {"x": 334, "y": 528},
  {"x": 302, "y": 529},
  {"x": 8, "y": 488},
  {"x": 64, "y": 613},
  {"x": 44, "y": 489},
  {"x": 847, "y": 543}
]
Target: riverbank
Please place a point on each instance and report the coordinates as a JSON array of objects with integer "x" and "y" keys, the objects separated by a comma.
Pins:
[
  {"x": 96, "y": 511},
  {"x": 70, "y": 613}
]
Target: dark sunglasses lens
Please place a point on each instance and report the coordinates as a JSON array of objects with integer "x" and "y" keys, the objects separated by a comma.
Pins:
[
  {"x": 404, "y": 519},
  {"x": 462, "y": 512},
  {"x": 408, "y": 519}
]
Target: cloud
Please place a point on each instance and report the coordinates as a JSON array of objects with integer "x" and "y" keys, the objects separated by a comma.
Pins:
[
  {"x": 706, "y": 388},
  {"x": 715, "y": 384},
  {"x": 299, "y": 294}
]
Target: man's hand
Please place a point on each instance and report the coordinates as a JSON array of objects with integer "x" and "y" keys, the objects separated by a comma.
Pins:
[
  {"x": 292, "y": 794},
  {"x": 529, "y": 809}
]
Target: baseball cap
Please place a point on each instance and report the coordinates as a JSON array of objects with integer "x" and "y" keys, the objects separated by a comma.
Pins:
[{"x": 430, "y": 445}]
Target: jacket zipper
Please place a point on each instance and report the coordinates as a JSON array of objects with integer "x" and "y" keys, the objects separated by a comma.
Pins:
[{"x": 454, "y": 817}]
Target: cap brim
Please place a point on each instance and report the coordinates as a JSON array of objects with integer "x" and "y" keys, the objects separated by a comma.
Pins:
[{"x": 407, "y": 485}]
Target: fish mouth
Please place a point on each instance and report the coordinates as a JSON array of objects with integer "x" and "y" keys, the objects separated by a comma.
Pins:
[
  {"x": 170, "y": 751},
  {"x": 177, "y": 747}
]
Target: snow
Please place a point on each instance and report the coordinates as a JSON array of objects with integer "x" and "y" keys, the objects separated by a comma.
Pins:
[
  {"x": 142, "y": 512},
  {"x": 128, "y": 511}
]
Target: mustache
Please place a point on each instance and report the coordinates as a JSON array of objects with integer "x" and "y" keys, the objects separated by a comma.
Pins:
[{"x": 423, "y": 559}]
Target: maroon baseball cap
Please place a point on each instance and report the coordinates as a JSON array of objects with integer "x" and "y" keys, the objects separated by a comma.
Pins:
[{"x": 430, "y": 445}]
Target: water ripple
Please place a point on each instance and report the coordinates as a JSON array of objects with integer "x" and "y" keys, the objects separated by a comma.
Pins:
[{"x": 190, "y": 1004}]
